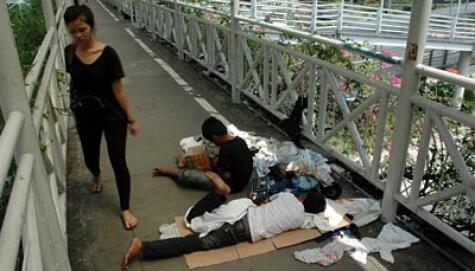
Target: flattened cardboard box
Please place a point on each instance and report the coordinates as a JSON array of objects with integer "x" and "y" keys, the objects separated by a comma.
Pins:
[{"x": 243, "y": 249}]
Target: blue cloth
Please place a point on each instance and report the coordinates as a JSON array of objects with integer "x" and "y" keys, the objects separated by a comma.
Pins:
[{"x": 297, "y": 185}]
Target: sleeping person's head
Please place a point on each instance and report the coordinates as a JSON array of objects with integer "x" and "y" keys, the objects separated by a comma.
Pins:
[{"x": 314, "y": 202}]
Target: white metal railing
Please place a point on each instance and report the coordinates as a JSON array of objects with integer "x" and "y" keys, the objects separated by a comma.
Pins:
[
  {"x": 37, "y": 140},
  {"x": 340, "y": 18},
  {"x": 258, "y": 68}
]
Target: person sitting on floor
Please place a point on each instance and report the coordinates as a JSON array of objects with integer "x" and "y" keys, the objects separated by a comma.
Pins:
[
  {"x": 285, "y": 212},
  {"x": 231, "y": 170}
]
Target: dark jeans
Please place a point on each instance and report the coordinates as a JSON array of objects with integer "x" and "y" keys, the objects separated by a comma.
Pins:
[
  {"x": 115, "y": 131},
  {"x": 227, "y": 235}
]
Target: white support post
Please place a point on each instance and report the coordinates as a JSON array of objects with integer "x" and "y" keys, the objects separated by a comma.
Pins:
[
  {"x": 13, "y": 98},
  {"x": 380, "y": 17},
  {"x": 313, "y": 21},
  {"x": 410, "y": 81},
  {"x": 254, "y": 9},
  {"x": 464, "y": 67},
  {"x": 453, "y": 31},
  {"x": 179, "y": 32},
  {"x": 340, "y": 16},
  {"x": 210, "y": 46},
  {"x": 233, "y": 53}
]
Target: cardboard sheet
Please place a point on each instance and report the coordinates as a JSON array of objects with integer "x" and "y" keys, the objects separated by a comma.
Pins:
[
  {"x": 243, "y": 249},
  {"x": 248, "y": 249},
  {"x": 294, "y": 237}
]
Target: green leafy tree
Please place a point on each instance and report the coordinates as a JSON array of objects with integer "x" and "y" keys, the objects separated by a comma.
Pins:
[{"x": 29, "y": 30}]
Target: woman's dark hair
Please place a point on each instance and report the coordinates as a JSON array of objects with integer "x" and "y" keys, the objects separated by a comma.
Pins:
[
  {"x": 213, "y": 127},
  {"x": 72, "y": 13},
  {"x": 314, "y": 203}
]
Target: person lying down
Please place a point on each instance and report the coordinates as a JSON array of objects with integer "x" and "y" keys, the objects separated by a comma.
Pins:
[{"x": 285, "y": 212}]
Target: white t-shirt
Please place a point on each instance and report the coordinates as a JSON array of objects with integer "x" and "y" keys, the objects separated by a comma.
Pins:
[{"x": 284, "y": 213}]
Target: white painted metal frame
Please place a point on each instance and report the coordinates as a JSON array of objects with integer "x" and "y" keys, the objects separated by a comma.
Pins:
[
  {"x": 345, "y": 18},
  {"x": 37, "y": 139}
]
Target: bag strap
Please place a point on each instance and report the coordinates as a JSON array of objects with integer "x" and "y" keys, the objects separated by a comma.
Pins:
[{"x": 71, "y": 50}]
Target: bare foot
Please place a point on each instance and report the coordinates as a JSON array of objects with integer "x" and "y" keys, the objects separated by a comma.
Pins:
[
  {"x": 96, "y": 184},
  {"x": 129, "y": 220},
  {"x": 180, "y": 162},
  {"x": 134, "y": 249},
  {"x": 159, "y": 171},
  {"x": 164, "y": 171}
]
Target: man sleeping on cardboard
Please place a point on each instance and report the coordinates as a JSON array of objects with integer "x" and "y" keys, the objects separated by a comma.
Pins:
[
  {"x": 231, "y": 170},
  {"x": 283, "y": 213}
]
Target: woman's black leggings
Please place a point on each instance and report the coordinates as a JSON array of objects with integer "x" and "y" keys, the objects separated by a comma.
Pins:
[{"x": 115, "y": 131}]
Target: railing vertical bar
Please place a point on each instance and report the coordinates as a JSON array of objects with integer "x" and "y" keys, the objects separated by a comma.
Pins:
[
  {"x": 274, "y": 78},
  {"x": 323, "y": 104},
  {"x": 312, "y": 93},
  {"x": 380, "y": 134},
  {"x": 233, "y": 57},
  {"x": 266, "y": 75},
  {"x": 421, "y": 158}
]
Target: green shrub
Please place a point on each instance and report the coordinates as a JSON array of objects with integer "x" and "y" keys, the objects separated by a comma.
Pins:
[{"x": 29, "y": 30}]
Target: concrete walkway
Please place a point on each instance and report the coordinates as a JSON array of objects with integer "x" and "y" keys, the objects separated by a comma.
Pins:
[{"x": 167, "y": 113}]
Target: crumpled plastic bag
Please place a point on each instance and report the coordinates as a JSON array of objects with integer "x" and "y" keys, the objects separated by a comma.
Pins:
[
  {"x": 390, "y": 238},
  {"x": 363, "y": 210},
  {"x": 168, "y": 231},
  {"x": 332, "y": 252}
]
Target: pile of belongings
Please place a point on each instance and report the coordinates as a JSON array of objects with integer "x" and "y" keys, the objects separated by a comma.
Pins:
[{"x": 280, "y": 166}]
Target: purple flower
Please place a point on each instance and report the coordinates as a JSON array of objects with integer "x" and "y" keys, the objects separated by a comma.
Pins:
[
  {"x": 385, "y": 65},
  {"x": 374, "y": 75},
  {"x": 345, "y": 52},
  {"x": 395, "y": 81},
  {"x": 388, "y": 52},
  {"x": 452, "y": 70}
]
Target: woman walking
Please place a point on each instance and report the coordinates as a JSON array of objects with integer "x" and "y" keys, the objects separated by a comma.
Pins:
[{"x": 99, "y": 103}]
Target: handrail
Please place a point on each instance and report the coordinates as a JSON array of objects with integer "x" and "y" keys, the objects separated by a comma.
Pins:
[
  {"x": 43, "y": 90},
  {"x": 8, "y": 139},
  {"x": 446, "y": 76},
  {"x": 38, "y": 62},
  {"x": 10, "y": 234}
]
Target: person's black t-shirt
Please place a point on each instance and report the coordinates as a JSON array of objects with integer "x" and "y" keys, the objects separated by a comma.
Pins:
[
  {"x": 95, "y": 80},
  {"x": 235, "y": 158}
]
